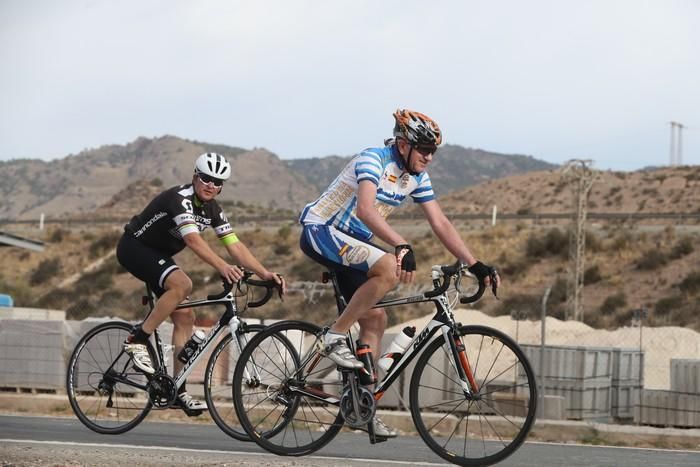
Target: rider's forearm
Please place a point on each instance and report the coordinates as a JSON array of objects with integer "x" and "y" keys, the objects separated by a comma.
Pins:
[
  {"x": 379, "y": 226},
  {"x": 449, "y": 237},
  {"x": 243, "y": 256},
  {"x": 202, "y": 249}
]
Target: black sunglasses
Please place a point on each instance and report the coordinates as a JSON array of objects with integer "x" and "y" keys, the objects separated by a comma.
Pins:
[
  {"x": 425, "y": 149},
  {"x": 206, "y": 179}
]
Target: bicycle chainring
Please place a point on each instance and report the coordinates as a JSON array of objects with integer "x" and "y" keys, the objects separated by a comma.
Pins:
[
  {"x": 364, "y": 415},
  {"x": 161, "y": 391}
]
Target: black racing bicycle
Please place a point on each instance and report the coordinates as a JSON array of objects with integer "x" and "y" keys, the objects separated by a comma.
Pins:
[
  {"x": 472, "y": 394},
  {"x": 110, "y": 396}
]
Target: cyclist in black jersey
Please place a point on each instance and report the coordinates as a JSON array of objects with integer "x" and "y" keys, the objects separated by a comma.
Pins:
[{"x": 171, "y": 222}]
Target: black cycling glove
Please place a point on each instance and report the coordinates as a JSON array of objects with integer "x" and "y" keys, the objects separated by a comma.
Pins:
[
  {"x": 405, "y": 257},
  {"x": 482, "y": 271}
]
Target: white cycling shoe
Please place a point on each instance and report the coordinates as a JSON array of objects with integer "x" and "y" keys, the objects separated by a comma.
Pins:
[
  {"x": 185, "y": 401},
  {"x": 381, "y": 429},
  {"x": 139, "y": 355},
  {"x": 337, "y": 350}
]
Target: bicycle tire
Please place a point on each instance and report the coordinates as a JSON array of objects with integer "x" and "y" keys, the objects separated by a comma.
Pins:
[
  {"x": 492, "y": 425},
  {"x": 218, "y": 386},
  {"x": 95, "y": 353},
  {"x": 278, "y": 417}
]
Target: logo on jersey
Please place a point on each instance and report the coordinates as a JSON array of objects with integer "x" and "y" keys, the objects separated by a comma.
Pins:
[
  {"x": 354, "y": 254},
  {"x": 392, "y": 178},
  {"x": 405, "y": 178}
]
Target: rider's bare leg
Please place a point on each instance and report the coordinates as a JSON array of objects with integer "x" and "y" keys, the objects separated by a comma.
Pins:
[
  {"x": 381, "y": 279},
  {"x": 177, "y": 287},
  {"x": 372, "y": 326},
  {"x": 183, "y": 327}
]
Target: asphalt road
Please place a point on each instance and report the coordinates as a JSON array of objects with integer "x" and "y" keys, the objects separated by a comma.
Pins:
[{"x": 196, "y": 442}]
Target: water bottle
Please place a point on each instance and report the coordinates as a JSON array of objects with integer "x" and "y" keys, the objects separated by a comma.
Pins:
[
  {"x": 364, "y": 354},
  {"x": 397, "y": 347},
  {"x": 191, "y": 346}
]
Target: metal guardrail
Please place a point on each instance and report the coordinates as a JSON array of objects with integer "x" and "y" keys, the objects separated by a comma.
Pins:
[{"x": 678, "y": 216}]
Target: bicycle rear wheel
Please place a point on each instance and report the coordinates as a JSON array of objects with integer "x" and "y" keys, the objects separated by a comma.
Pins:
[
  {"x": 490, "y": 424},
  {"x": 106, "y": 393},
  {"x": 218, "y": 388},
  {"x": 288, "y": 400}
]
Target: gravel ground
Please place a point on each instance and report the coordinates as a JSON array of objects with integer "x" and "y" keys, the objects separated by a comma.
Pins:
[{"x": 51, "y": 455}]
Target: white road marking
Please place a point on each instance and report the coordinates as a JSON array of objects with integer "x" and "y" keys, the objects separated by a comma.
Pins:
[{"x": 636, "y": 448}]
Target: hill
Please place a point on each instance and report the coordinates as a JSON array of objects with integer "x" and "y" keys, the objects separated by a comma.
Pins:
[
  {"x": 670, "y": 189},
  {"x": 80, "y": 184},
  {"x": 454, "y": 167}
]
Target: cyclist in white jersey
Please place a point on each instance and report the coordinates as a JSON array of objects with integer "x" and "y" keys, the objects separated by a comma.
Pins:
[{"x": 338, "y": 227}]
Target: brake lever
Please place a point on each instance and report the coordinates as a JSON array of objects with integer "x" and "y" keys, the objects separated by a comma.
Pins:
[
  {"x": 279, "y": 287},
  {"x": 493, "y": 275}
]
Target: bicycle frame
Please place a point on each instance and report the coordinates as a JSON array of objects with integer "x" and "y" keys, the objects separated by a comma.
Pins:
[
  {"x": 442, "y": 320},
  {"x": 229, "y": 320}
]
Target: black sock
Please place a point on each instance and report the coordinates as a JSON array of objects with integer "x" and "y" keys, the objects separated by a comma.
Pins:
[{"x": 138, "y": 336}]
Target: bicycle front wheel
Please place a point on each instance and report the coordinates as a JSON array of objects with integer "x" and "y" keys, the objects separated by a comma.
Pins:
[
  {"x": 105, "y": 391},
  {"x": 480, "y": 421},
  {"x": 287, "y": 400},
  {"x": 218, "y": 388}
]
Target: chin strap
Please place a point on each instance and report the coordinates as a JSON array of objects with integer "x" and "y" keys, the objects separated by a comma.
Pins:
[{"x": 408, "y": 162}]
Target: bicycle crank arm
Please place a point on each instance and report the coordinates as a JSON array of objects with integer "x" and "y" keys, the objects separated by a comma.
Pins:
[{"x": 315, "y": 394}]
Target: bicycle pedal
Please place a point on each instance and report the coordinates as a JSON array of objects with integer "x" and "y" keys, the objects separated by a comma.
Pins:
[
  {"x": 377, "y": 439},
  {"x": 192, "y": 412}
]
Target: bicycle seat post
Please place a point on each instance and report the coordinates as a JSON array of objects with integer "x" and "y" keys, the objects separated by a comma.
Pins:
[
  {"x": 330, "y": 275},
  {"x": 148, "y": 299}
]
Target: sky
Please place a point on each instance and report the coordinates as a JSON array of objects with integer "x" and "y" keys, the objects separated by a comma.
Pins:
[{"x": 556, "y": 80}]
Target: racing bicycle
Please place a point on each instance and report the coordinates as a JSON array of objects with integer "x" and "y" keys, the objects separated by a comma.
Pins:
[
  {"x": 110, "y": 396},
  {"x": 472, "y": 393}
]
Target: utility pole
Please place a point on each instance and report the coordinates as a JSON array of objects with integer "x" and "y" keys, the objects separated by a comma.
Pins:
[
  {"x": 679, "y": 157},
  {"x": 676, "y": 154},
  {"x": 672, "y": 152},
  {"x": 581, "y": 176}
]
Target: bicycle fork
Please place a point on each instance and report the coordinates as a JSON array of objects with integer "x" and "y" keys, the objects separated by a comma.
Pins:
[
  {"x": 461, "y": 363},
  {"x": 240, "y": 341}
]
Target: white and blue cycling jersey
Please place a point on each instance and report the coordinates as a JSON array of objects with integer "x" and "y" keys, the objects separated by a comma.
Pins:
[{"x": 381, "y": 166}]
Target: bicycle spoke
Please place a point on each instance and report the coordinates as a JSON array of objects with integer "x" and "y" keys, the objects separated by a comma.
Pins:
[
  {"x": 482, "y": 427},
  {"x": 293, "y": 417},
  {"x": 94, "y": 379}
]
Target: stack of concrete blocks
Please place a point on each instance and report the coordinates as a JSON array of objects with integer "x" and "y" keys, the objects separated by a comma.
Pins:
[
  {"x": 32, "y": 355},
  {"x": 582, "y": 375},
  {"x": 685, "y": 380},
  {"x": 627, "y": 381},
  {"x": 679, "y": 407},
  {"x": 668, "y": 409},
  {"x": 685, "y": 375}
]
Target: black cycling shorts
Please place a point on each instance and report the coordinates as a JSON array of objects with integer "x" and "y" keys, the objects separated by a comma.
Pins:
[{"x": 145, "y": 263}]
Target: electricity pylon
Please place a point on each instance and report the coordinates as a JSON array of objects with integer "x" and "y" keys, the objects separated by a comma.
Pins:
[{"x": 581, "y": 177}]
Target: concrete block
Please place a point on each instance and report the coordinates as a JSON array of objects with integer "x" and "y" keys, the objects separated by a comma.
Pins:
[{"x": 627, "y": 366}]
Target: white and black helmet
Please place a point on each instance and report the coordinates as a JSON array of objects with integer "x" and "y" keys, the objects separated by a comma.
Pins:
[{"x": 214, "y": 165}]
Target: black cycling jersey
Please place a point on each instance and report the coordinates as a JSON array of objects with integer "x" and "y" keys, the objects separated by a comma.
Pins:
[{"x": 175, "y": 213}]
